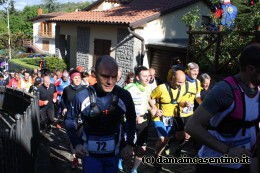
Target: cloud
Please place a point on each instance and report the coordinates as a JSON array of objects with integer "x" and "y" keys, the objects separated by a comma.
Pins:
[{"x": 20, "y": 5}]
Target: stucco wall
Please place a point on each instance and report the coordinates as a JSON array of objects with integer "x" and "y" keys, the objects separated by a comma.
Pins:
[
  {"x": 52, "y": 46},
  {"x": 170, "y": 26},
  {"x": 105, "y": 6}
]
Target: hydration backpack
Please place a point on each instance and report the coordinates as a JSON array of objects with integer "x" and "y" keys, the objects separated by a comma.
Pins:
[{"x": 235, "y": 121}]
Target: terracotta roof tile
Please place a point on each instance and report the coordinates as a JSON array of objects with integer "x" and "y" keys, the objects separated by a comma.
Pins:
[
  {"x": 126, "y": 14},
  {"x": 47, "y": 16}
]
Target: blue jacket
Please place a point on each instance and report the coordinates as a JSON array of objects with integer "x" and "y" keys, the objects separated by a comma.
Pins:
[{"x": 81, "y": 105}]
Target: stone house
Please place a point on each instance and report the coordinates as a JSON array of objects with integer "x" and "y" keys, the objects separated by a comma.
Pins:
[{"x": 138, "y": 32}]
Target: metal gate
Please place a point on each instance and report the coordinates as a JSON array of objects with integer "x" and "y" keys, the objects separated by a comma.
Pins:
[{"x": 19, "y": 130}]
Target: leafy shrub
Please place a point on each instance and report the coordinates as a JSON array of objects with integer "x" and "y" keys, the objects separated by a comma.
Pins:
[
  {"x": 191, "y": 18},
  {"x": 53, "y": 63}
]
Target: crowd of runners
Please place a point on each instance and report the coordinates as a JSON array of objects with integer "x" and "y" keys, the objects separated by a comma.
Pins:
[{"x": 107, "y": 116}]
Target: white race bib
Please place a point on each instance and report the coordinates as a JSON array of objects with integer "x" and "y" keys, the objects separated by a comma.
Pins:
[
  {"x": 101, "y": 144},
  {"x": 188, "y": 110},
  {"x": 167, "y": 121}
]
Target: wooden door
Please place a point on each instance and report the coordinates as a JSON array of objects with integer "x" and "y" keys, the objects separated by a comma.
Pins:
[{"x": 45, "y": 45}]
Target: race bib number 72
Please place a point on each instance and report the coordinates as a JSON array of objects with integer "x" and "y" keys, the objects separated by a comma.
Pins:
[{"x": 101, "y": 145}]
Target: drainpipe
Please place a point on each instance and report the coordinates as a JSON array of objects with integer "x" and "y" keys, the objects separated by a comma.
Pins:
[{"x": 142, "y": 44}]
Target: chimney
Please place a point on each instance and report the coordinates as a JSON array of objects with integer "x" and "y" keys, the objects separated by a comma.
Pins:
[{"x": 39, "y": 11}]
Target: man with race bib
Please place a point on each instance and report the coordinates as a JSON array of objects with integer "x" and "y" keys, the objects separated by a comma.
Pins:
[
  {"x": 140, "y": 92},
  {"x": 167, "y": 98},
  {"x": 102, "y": 108},
  {"x": 192, "y": 94},
  {"x": 227, "y": 122}
]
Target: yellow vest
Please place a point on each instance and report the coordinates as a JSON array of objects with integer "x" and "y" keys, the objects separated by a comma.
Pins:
[
  {"x": 164, "y": 101},
  {"x": 192, "y": 89}
]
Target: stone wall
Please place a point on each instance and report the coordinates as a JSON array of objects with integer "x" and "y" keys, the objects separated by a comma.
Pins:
[
  {"x": 83, "y": 40},
  {"x": 125, "y": 51}
]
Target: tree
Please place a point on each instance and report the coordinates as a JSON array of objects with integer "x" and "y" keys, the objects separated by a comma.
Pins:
[
  {"x": 248, "y": 15},
  {"x": 3, "y": 26},
  {"x": 2, "y": 1},
  {"x": 28, "y": 13},
  {"x": 232, "y": 42},
  {"x": 50, "y": 5}
]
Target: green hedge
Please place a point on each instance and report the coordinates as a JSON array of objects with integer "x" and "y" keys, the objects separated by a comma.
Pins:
[
  {"x": 20, "y": 63},
  {"x": 23, "y": 55},
  {"x": 52, "y": 63}
]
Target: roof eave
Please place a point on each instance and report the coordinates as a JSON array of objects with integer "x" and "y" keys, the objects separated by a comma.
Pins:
[
  {"x": 144, "y": 21},
  {"x": 92, "y": 5},
  {"x": 90, "y": 22},
  {"x": 185, "y": 5},
  {"x": 40, "y": 17}
]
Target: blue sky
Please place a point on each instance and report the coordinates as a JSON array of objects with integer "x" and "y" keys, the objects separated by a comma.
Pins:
[{"x": 20, "y": 4}]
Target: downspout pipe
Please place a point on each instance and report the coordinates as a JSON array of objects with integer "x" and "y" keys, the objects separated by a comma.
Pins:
[{"x": 142, "y": 43}]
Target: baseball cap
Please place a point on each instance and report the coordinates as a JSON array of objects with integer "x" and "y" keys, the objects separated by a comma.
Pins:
[
  {"x": 193, "y": 65},
  {"x": 37, "y": 80},
  {"x": 224, "y": 1},
  {"x": 79, "y": 68},
  {"x": 65, "y": 74}
]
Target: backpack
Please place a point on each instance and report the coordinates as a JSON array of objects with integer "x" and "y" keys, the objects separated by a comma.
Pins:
[
  {"x": 102, "y": 122},
  {"x": 187, "y": 87},
  {"x": 95, "y": 110},
  {"x": 235, "y": 121},
  {"x": 177, "y": 121},
  {"x": 173, "y": 101}
]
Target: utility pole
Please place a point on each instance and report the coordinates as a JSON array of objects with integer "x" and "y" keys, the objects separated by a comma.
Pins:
[{"x": 9, "y": 34}]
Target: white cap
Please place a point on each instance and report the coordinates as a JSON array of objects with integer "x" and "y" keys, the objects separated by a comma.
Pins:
[
  {"x": 224, "y": 1},
  {"x": 65, "y": 74}
]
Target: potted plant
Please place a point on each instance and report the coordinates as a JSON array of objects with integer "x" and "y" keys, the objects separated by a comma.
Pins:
[{"x": 191, "y": 18}]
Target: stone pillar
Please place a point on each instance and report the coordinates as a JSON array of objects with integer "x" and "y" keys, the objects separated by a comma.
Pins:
[{"x": 125, "y": 51}]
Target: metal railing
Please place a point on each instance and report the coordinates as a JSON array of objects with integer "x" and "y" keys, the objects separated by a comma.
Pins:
[{"x": 19, "y": 130}]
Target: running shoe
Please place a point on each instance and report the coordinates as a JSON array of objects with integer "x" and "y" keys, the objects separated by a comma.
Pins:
[
  {"x": 75, "y": 163},
  {"x": 58, "y": 126},
  {"x": 120, "y": 164},
  {"x": 167, "y": 150},
  {"x": 134, "y": 171}
]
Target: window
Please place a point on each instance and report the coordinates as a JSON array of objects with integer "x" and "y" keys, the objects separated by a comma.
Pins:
[
  {"x": 206, "y": 21},
  {"x": 101, "y": 47},
  {"x": 46, "y": 29}
]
